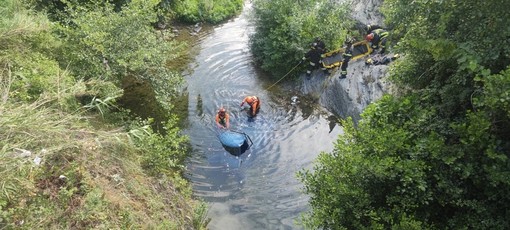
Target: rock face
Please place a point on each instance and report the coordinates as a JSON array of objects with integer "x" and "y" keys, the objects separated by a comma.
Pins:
[
  {"x": 364, "y": 83},
  {"x": 349, "y": 96},
  {"x": 367, "y": 11}
]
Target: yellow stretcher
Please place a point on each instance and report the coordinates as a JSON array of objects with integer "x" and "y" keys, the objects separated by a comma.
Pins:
[{"x": 334, "y": 58}]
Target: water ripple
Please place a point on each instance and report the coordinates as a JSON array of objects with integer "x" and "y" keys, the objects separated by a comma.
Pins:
[{"x": 259, "y": 189}]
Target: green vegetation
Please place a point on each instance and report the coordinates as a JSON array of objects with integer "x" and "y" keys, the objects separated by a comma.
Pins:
[
  {"x": 212, "y": 11},
  {"x": 284, "y": 30},
  {"x": 70, "y": 155},
  {"x": 436, "y": 156},
  {"x": 87, "y": 178},
  {"x": 115, "y": 47},
  {"x": 169, "y": 11}
]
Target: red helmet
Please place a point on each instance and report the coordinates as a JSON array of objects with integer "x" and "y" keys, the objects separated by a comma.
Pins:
[{"x": 369, "y": 37}]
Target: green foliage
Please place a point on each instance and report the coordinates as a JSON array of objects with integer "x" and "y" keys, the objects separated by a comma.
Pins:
[
  {"x": 25, "y": 66},
  {"x": 200, "y": 216},
  {"x": 100, "y": 96},
  {"x": 85, "y": 179},
  {"x": 402, "y": 166},
  {"x": 104, "y": 44},
  {"x": 285, "y": 29},
  {"x": 34, "y": 74},
  {"x": 163, "y": 153},
  {"x": 18, "y": 22},
  {"x": 446, "y": 48},
  {"x": 496, "y": 95},
  {"x": 62, "y": 170},
  {"x": 437, "y": 156},
  {"x": 213, "y": 11},
  {"x": 186, "y": 10},
  {"x": 453, "y": 38}
]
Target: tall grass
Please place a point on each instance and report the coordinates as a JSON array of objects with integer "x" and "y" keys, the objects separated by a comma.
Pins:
[
  {"x": 59, "y": 172},
  {"x": 61, "y": 165},
  {"x": 15, "y": 22}
]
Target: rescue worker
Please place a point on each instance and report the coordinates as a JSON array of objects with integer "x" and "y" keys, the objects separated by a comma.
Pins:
[
  {"x": 346, "y": 57},
  {"x": 322, "y": 50},
  {"x": 222, "y": 119},
  {"x": 320, "y": 45},
  {"x": 254, "y": 103},
  {"x": 371, "y": 28},
  {"x": 314, "y": 55},
  {"x": 378, "y": 39},
  {"x": 381, "y": 59}
]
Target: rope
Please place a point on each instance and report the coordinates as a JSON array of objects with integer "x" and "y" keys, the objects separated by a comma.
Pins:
[{"x": 284, "y": 75}]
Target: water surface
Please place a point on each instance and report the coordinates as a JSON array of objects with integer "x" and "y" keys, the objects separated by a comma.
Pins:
[{"x": 259, "y": 189}]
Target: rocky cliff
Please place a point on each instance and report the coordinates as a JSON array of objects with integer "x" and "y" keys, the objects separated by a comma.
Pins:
[{"x": 364, "y": 83}]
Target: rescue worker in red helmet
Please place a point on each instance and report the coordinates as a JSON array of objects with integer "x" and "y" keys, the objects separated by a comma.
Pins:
[
  {"x": 254, "y": 103},
  {"x": 222, "y": 119},
  {"x": 378, "y": 39}
]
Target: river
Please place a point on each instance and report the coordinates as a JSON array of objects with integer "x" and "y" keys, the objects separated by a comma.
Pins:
[{"x": 259, "y": 189}]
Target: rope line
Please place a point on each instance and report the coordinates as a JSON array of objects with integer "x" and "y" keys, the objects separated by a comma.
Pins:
[{"x": 284, "y": 75}]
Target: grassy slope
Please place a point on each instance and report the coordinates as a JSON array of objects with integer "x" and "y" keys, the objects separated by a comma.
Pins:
[{"x": 88, "y": 177}]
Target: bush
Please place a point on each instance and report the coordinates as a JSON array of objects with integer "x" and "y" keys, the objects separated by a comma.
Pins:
[
  {"x": 212, "y": 11},
  {"x": 112, "y": 45},
  {"x": 163, "y": 153},
  {"x": 285, "y": 29}
]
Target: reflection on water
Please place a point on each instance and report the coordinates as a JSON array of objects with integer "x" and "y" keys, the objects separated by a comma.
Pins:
[{"x": 258, "y": 189}]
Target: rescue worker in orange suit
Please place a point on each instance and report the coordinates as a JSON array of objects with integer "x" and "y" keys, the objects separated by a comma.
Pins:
[
  {"x": 378, "y": 39},
  {"x": 254, "y": 103},
  {"x": 314, "y": 55},
  {"x": 222, "y": 119},
  {"x": 346, "y": 57}
]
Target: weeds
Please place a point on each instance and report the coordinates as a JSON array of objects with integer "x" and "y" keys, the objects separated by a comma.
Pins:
[{"x": 86, "y": 178}]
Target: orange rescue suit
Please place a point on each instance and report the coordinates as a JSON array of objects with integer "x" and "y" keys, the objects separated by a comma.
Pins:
[
  {"x": 223, "y": 120},
  {"x": 254, "y": 103}
]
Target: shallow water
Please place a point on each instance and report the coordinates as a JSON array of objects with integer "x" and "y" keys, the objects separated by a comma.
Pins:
[{"x": 259, "y": 189}]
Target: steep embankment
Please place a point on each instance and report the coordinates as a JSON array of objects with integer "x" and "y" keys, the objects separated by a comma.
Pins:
[{"x": 363, "y": 85}]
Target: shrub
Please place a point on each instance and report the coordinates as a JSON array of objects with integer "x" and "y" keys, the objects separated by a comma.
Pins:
[{"x": 285, "y": 29}]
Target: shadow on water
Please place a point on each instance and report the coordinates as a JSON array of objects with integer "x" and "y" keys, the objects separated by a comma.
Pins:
[
  {"x": 140, "y": 99},
  {"x": 139, "y": 96}
]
